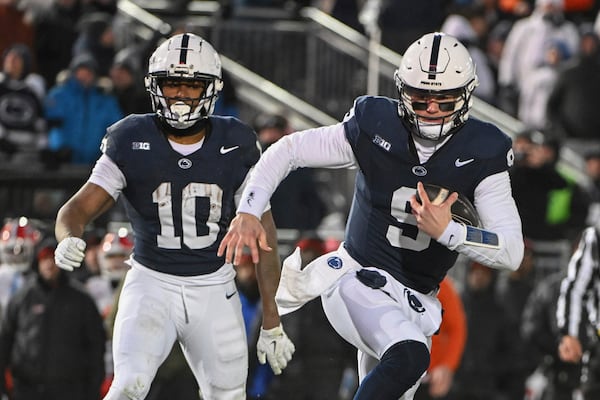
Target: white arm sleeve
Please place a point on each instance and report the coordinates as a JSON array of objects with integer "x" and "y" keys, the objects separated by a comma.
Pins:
[
  {"x": 324, "y": 147},
  {"x": 108, "y": 176},
  {"x": 498, "y": 213},
  {"x": 238, "y": 193}
]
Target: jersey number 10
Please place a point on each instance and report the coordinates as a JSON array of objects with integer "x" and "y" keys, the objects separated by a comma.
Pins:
[{"x": 167, "y": 238}]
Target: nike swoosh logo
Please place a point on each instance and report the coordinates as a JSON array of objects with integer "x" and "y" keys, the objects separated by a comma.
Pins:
[
  {"x": 228, "y": 296},
  {"x": 460, "y": 163},
  {"x": 225, "y": 150},
  {"x": 274, "y": 343}
]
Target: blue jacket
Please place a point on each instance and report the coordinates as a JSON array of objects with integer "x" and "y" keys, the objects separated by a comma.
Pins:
[{"x": 79, "y": 117}]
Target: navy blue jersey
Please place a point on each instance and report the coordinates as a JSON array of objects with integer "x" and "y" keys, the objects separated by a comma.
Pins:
[
  {"x": 381, "y": 231},
  {"x": 180, "y": 206}
]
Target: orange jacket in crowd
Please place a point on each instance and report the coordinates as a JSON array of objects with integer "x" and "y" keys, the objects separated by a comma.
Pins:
[
  {"x": 448, "y": 345},
  {"x": 569, "y": 5}
]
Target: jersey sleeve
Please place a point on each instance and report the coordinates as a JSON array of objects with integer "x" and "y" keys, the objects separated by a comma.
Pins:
[
  {"x": 494, "y": 147},
  {"x": 247, "y": 138},
  {"x": 106, "y": 172},
  {"x": 324, "y": 147},
  {"x": 366, "y": 115},
  {"x": 114, "y": 139},
  {"x": 108, "y": 176}
]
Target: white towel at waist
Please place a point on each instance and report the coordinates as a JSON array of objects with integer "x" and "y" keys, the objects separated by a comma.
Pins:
[{"x": 298, "y": 286}]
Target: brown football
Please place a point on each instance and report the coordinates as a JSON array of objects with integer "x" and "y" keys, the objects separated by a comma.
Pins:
[{"x": 462, "y": 210}]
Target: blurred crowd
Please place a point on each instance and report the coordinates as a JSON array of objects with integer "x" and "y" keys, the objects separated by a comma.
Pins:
[
  {"x": 70, "y": 66},
  {"x": 68, "y": 72}
]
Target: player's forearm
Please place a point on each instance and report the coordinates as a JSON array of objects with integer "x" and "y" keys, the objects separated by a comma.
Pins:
[
  {"x": 86, "y": 205},
  {"x": 324, "y": 147},
  {"x": 268, "y": 272},
  {"x": 70, "y": 221},
  {"x": 500, "y": 217},
  {"x": 267, "y": 283},
  {"x": 506, "y": 254}
]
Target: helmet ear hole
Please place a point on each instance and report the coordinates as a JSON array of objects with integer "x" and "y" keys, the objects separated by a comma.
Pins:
[{"x": 219, "y": 85}]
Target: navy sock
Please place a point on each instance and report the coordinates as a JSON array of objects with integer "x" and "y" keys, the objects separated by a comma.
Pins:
[{"x": 398, "y": 370}]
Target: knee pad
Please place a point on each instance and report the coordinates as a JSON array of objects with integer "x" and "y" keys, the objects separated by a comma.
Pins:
[
  {"x": 406, "y": 360},
  {"x": 135, "y": 387},
  {"x": 400, "y": 367}
]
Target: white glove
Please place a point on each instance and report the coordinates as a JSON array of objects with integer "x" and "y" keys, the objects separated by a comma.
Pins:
[
  {"x": 274, "y": 346},
  {"x": 70, "y": 253}
]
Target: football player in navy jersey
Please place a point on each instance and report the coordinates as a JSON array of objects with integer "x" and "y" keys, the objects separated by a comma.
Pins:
[
  {"x": 181, "y": 171},
  {"x": 398, "y": 248}
]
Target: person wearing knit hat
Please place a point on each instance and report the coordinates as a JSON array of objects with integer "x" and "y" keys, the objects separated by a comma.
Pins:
[
  {"x": 96, "y": 37},
  {"x": 21, "y": 115},
  {"x": 47, "y": 269},
  {"x": 85, "y": 60},
  {"x": 525, "y": 49},
  {"x": 52, "y": 336},
  {"x": 17, "y": 61},
  {"x": 78, "y": 113},
  {"x": 128, "y": 86},
  {"x": 84, "y": 68}
]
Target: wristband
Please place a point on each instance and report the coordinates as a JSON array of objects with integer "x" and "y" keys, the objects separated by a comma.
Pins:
[
  {"x": 254, "y": 201},
  {"x": 481, "y": 237},
  {"x": 453, "y": 236}
]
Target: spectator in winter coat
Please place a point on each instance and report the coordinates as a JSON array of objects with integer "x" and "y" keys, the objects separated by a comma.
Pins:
[
  {"x": 128, "y": 84},
  {"x": 571, "y": 105},
  {"x": 52, "y": 338},
  {"x": 79, "y": 113},
  {"x": 489, "y": 350},
  {"x": 524, "y": 49}
]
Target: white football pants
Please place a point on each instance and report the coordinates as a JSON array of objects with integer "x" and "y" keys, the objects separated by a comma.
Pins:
[
  {"x": 157, "y": 309},
  {"x": 373, "y": 320}
]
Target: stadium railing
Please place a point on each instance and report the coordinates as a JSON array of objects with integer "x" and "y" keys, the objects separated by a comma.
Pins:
[{"x": 308, "y": 66}]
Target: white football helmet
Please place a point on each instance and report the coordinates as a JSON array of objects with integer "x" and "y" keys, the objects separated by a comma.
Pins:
[
  {"x": 189, "y": 57},
  {"x": 18, "y": 238},
  {"x": 436, "y": 65},
  {"x": 115, "y": 249}
]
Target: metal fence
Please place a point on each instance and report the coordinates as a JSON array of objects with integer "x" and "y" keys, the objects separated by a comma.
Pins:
[
  {"x": 310, "y": 60},
  {"x": 311, "y": 67},
  {"x": 312, "y": 56}
]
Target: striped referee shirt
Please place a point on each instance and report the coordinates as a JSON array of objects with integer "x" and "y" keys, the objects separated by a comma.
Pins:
[{"x": 581, "y": 287}]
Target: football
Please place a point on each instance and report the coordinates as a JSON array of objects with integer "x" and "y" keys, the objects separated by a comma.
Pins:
[{"x": 462, "y": 210}]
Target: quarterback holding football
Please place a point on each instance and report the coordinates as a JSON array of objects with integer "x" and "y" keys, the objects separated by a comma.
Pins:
[{"x": 379, "y": 288}]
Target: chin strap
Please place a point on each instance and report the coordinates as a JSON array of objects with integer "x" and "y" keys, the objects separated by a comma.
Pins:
[{"x": 197, "y": 127}]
